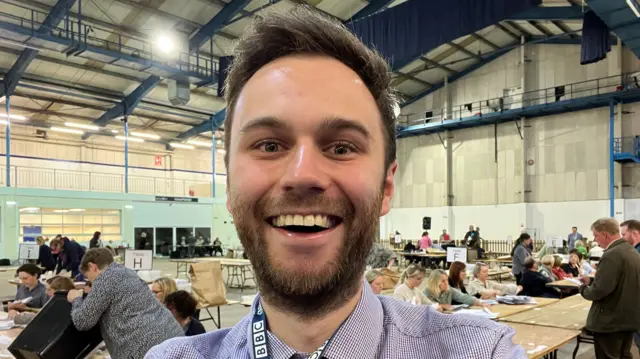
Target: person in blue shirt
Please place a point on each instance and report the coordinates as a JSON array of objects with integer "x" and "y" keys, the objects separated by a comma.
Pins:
[
  {"x": 573, "y": 237},
  {"x": 183, "y": 306},
  {"x": 311, "y": 158},
  {"x": 45, "y": 256},
  {"x": 71, "y": 255}
]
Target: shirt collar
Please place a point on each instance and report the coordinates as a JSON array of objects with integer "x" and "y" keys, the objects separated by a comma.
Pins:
[{"x": 350, "y": 340}]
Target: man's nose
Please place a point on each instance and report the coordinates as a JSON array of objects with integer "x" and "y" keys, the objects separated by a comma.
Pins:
[{"x": 306, "y": 171}]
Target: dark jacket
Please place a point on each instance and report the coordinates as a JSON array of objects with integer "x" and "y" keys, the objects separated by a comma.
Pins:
[
  {"x": 45, "y": 258},
  {"x": 534, "y": 284},
  {"x": 194, "y": 328},
  {"x": 615, "y": 290},
  {"x": 94, "y": 242},
  {"x": 73, "y": 253},
  {"x": 409, "y": 247}
]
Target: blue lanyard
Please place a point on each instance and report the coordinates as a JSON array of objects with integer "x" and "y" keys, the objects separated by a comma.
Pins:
[{"x": 260, "y": 339}]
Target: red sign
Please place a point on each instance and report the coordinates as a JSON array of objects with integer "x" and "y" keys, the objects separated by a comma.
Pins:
[{"x": 158, "y": 161}]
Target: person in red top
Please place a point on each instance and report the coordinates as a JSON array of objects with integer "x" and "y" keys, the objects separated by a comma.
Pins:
[
  {"x": 444, "y": 237},
  {"x": 557, "y": 269}
]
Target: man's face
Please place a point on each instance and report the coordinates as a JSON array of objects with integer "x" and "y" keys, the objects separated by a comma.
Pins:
[
  {"x": 630, "y": 236},
  {"x": 307, "y": 182},
  {"x": 574, "y": 230},
  {"x": 484, "y": 273},
  {"x": 602, "y": 238}
]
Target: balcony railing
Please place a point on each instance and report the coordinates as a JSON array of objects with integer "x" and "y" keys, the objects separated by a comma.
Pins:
[
  {"x": 28, "y": 177},
  {"x": 629, "y": 144},
  {"x": 549, "y": 95}
]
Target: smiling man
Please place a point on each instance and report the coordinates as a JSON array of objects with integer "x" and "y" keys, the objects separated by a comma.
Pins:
[{"x": 310, "y": 137}]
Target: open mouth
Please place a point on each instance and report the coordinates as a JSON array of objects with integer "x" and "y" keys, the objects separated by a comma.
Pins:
[{"x": 312, "y": 223}]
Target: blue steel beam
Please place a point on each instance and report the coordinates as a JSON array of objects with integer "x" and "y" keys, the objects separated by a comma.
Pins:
[
  {"x": 216, "y": 23},
  {"x": 373, "y": 7},
  {"x": 213, "y": 123},
  {"x": 550, "y": 13},
  {"x": 56, "y": 14},
  {"x": 128, "y": 104}
]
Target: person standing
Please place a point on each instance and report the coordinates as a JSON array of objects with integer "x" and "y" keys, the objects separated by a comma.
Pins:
[
  {"x": 614, "y": 315},
  {"x": 131, "y": 320},
  {"x": 469, "y": 235},
  {"x": 297, "y": 155},
  {"x": 573, "y": 237},
  {"x": 72, "y": 254},
  {"x": 631, "y": 233},
  {"x": 519, "y": 254},
  {"x": 45, "y": 256},
  {"x": 425, "y": 241},
  {"x": 95, "y": 241}
]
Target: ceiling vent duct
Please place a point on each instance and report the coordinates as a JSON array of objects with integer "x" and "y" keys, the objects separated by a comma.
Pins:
[{"x": 179, "y": 92}]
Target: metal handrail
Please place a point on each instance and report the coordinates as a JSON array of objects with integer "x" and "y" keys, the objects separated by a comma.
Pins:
[
  {"x": 627, "y": 144},
  {"x": 535, "y": 97}
]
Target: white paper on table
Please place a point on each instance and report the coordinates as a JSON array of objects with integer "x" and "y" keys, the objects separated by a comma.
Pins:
[
  {"x": 574, "y": 280},
  {"x": 489, "y": 301},
  {"x": 7, "y": 324},
  {"x": 477, "y": 312},
  {"x": 5, "y": 340}
]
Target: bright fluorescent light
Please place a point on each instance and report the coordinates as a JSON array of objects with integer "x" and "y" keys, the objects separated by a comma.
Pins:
[
  {"x": 114, "y": 131},
  {"x": 29, "y": 209},
  {"x": 67, "y": 130},
  {"x": 4, "y": 122},
  {"x": 165, "y": 43},
  {"x": 145, "y": 135},
  {"x": 128, "y": 206},
  {"x": 220, "y": 150},
  {"x": 633, "y": 4},
  {"x": 200, "y": 143},
  {"x": 80, "y": 125},
  {"x": 60, "y": 210},
  {"x": 13, "y": 117},
  {"x": 76, "y": 210},
  {"x": 10, "y": 203},
  {"x": 132, "y": 139},
  {"x": 180, "y": 145}
]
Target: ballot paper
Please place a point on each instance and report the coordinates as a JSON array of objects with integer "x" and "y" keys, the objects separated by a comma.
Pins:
[
  {"x": 23, "y": 301},
  {"x": 6, "y": 324},
  {"x": 515, "y": 299},
  {"x": 478, "y": 313},
  {"x": 574, "y": 280}
]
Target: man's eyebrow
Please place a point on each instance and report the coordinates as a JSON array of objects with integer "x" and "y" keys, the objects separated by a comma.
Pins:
[
  {"x": 341, "y": 124},
  {"x": 268, "y": 122}
]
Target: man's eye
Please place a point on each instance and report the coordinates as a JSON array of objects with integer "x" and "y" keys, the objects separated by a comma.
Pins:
[
  {"x": 343, "y": 149},
  {"x": 269, "y": 146}
]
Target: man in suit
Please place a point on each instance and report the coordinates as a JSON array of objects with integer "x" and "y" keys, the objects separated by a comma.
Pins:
[
  {"x": 573, "y": 237},
  {"x": 614, "y": 315}
]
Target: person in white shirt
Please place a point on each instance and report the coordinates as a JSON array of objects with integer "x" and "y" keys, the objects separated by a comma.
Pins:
[
  {"x": 487, "y": 289},
  {"x": 408, "y": 290}
]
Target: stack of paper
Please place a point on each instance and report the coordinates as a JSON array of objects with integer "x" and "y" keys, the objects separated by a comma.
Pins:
[
  {"x": 515, "y": 299},
  {"x": 478, "y": 312}
]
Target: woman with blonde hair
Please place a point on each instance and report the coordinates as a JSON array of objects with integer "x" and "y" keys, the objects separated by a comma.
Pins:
[
  {"x": 408, "y": 290},
  {"x": 162, "y": 287},
  {"x": 546, "y": 269},
  {"x": 439, "y": 291},
  {"x": 45, "y": 256}
]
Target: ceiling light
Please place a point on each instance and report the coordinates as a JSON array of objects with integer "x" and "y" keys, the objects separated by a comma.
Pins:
[
  {"x": 145, "y": 135},
  {"x": 80, "y": 125},
  {"x": 67, "y": 130},
  {"x": 165, "y": 43},
  {"x": 60, "y": 210},
  {"x": 396, "y": 110},
  {"x": 76, "y": 210},
  {"x": 114, "y": 131},
  {"x": 200, "y": 143},
  {"x": 180, "y": 145},
  {"x": 29, "y": 209},
  {"x": 128, "y": 206},
  {"x": 10, "y": 203},
  {"x": 13, "y": 117},
  {"x": 132, "y": 139},
  {"x": 633, "y": 4}
]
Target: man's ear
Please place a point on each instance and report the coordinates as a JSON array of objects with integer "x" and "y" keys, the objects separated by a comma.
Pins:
[{"x": 388, "y": 188}]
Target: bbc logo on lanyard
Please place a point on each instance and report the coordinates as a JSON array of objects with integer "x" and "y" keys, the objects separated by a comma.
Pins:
[{"x": 259, "y": 340}]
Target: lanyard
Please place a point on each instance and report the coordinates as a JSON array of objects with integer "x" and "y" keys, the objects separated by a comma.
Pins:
[{"x": 260, "y": 339}]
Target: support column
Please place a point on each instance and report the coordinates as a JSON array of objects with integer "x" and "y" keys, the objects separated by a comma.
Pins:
[
  {"x": 126, "y": 154},
  {"x": 612, "y": 193},
  {"x": 451, "y": 221},
  {"x": 8, "y": 140},
  {"x": 213, "y": 159},
  {"x": 447, "y": 98}
]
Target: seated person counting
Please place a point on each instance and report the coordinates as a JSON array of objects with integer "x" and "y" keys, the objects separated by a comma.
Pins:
[
  {"x": 162, "y": 287},
  {"x": 573, "y": 268},
  {"x": 131, "y": 320},
  {"x": 57, "y": 283},
  {"x": 480, "y": 285},
  {"x": 30, "y": 287},
  {"x": 408, "y": 290},
  {"x": 438, "y": 291},
  {"x": 557, "y": 268},
  {"x": 546, "y": 267},
  {"x": 534, "y": 283},
  {"x": 375, "y": 279},
  {"x": 580, "y": 247},
  {"x": 457, "y": 275},
  {"x": 183, "y": 306}
]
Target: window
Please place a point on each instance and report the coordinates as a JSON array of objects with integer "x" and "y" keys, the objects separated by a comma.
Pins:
[{"x": 75, "y": 223}]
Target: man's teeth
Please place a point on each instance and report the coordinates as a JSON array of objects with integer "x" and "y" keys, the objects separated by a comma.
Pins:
[{"x": 300, "y": 220}]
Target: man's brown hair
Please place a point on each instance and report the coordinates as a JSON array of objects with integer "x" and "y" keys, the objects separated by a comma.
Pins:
[
  {"x": 303, "y": 31},
  {"x": 631, "y": 224},
  {"x": 101, "y": 257}
]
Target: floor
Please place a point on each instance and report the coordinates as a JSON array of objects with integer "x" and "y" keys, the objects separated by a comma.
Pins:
[{"x": 234, "y": 313}]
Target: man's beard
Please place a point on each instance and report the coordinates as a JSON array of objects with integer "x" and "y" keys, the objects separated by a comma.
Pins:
[{"x": 310, "y": 292}]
